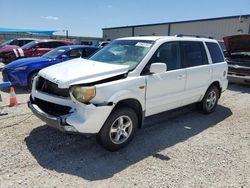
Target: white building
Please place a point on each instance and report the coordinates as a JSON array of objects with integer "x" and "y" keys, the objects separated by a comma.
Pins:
[{"x": 213, "y": 27}]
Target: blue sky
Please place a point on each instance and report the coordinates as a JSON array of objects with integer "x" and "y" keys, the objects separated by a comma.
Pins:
[{"x": 88, "y": 17}]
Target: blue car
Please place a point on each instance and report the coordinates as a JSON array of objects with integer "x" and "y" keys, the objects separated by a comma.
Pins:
[{"x": 22, "y": 72}]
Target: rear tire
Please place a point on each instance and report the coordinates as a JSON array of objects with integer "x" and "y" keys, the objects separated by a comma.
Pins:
[
  {"x": 210, "y": 100},
  {"x": 119, "y": 129}
]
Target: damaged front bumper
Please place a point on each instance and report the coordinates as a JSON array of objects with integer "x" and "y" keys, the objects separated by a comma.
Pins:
[{"x": 85, "y": 119}]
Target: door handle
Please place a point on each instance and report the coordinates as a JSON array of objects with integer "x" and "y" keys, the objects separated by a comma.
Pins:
[{"x": 181, "y": 76}]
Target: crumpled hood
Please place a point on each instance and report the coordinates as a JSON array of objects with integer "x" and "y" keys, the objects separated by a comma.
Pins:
[
  {"x": 8, "y": 48},
  {"x": 81, "y": 71},
  {"x": 237, "y": 43},
  {"x": 26, "y": 62}
]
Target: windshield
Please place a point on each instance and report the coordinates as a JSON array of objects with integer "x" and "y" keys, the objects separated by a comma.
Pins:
[
  {"x": 29, "y": 45},
  {"x": 6, "y": 42},
  {"x": 55, "y": 53},
  {"x": 123, "y": 52}
]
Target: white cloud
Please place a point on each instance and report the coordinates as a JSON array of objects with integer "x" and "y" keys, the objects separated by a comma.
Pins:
[{"x": 50, "y": 17}]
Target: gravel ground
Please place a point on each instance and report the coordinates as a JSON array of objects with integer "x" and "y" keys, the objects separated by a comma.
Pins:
[{"x": 180, "y": 148}]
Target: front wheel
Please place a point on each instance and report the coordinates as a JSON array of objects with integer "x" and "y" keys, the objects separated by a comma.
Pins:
[
  {"x": 119, "y": 129},
  {"x": 31, "y": 79},
  {"x": 210, "y": 100}
]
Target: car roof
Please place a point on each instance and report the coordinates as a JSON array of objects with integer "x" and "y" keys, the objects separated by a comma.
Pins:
[
  {"x": 170, "y": 38},
  {"x": 78, "y": 46},
  {"x": 25, "y": 39},
  {"x": 51, "y": 40}
]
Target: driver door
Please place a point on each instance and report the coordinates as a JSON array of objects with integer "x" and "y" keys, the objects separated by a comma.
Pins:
[{"x": 165, "y": 90}]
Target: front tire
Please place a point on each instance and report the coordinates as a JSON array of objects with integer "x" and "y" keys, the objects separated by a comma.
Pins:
[
  {"x": 210, "y": 100},
  {"x": 31, "y": 79},
  {"x": 119, "y": 129}
]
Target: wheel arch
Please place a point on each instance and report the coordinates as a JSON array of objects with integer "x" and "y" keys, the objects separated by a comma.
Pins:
[
  {"x": 218, "y": 85},
  {"x": 31, "y": 73},
  {"x": 133, "y": 104}
]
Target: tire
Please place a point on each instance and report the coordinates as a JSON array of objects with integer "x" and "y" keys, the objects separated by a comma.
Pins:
[
  {"x": 119, "y": 129},
  {"x": 210, "y": 100},
  {"x": 31, "y": 78}
]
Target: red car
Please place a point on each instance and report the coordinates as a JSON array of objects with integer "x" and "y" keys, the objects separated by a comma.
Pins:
[
  {"x": 10, "y": 45},
  {"x": 33, "y": 49}
]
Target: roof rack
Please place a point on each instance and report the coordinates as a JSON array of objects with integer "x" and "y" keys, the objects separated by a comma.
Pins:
[{"x": 197, "y": 36}]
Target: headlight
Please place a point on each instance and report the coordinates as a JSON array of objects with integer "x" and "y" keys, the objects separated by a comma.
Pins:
[
  {"x": 20, "y": 68},
  {"x": 83, "y": 94}
]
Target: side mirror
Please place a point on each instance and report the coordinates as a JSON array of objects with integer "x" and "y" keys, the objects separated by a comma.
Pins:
[
  {"x": 158, "y": 68},
  {"x": 34, "y": 49},
  {"x": 64, "y": 56}
]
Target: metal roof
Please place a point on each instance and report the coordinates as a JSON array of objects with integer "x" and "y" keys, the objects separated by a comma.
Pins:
[
  {"x": 41, "y": 32},
  {"x": 187, "y": 21}
]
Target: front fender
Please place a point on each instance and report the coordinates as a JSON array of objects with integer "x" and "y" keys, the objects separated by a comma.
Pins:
[{"x": 127, "y": 94}]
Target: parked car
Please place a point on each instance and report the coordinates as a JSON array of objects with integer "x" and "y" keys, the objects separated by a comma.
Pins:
[
  {"x": 22, "y": 72},
  {"x": 110, "y": 93},
  {"x": 103, "y": 43},
  {"x": 33, "y": 49},
  {"x": 238, "y": 58},
  {"x": 12, "y": 45}
]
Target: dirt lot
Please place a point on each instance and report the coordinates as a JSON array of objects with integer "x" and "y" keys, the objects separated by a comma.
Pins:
[{"x": 180, "y": 148}]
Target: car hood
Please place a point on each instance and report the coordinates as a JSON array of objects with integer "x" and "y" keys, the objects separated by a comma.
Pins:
[
  {"x": 81, "y": 71},
  {"x": 7, "y": 48},
  {"x": 26, "y": 62},
  {"x": 237, "y": 43}
]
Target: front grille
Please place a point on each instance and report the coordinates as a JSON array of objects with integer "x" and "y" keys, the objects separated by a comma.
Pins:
[
  {"x": 52, "y": 108},
  {"x": 50, "y": 87},
  {"x": 239, "y": 71}
]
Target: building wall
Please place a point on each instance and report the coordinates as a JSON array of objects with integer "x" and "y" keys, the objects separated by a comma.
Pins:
[
  {"x": 117, "y": 33},
  {"x": 160, "y": 30},
  {"x": 216, "y": 28}
]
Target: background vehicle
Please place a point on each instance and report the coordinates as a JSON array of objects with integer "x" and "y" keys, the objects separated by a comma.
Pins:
[
  {"x": 22, "y": 72},
  {"x": 12, "y": 45},
  {"x": 33, "y": 49},
  {"x": 17, "y": 42},
  {"x": 238, "y": 58},
  {"x": 103, "y": 43},
  {"x": 110, "y": 93}
]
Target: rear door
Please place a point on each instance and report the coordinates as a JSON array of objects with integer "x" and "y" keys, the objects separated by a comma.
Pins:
[
  {"x": 199, "y": 71},
  {"x": 165, "y": 91}
]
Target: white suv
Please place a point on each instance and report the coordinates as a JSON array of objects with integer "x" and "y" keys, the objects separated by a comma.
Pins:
[{"x": 129, "y": 79}]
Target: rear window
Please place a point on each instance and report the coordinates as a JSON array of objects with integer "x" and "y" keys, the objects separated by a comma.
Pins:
[
  {"x": 193, "y": 53},
  {"x": 215, "y": 52}
]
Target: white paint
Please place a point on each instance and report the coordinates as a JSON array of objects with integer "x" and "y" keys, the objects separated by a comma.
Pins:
[
  {"x": 155, "y": 92},
  {"x": 15, "y": 52},
  {"x": 20, "y": 50}
]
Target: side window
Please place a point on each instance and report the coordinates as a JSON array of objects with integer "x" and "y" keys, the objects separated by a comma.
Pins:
[
  {"x": 193, "y": 53},
  {"x": 43, "y": 45},
  {"x": 215, "y": 52},
  {"x": 168, "y": 53},
  {"x": 88, "y": 52},
  {"x": 55, "y": 44},
  {"x": 75, "y": 53}
]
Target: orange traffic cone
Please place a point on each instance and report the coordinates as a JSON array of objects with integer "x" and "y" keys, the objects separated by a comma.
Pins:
[{"x": 13, "y": 100}]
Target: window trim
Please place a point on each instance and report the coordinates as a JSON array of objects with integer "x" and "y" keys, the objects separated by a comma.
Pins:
[
  {"x": 183, "y": 59},
  {"x": 181, "y": 65}
]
